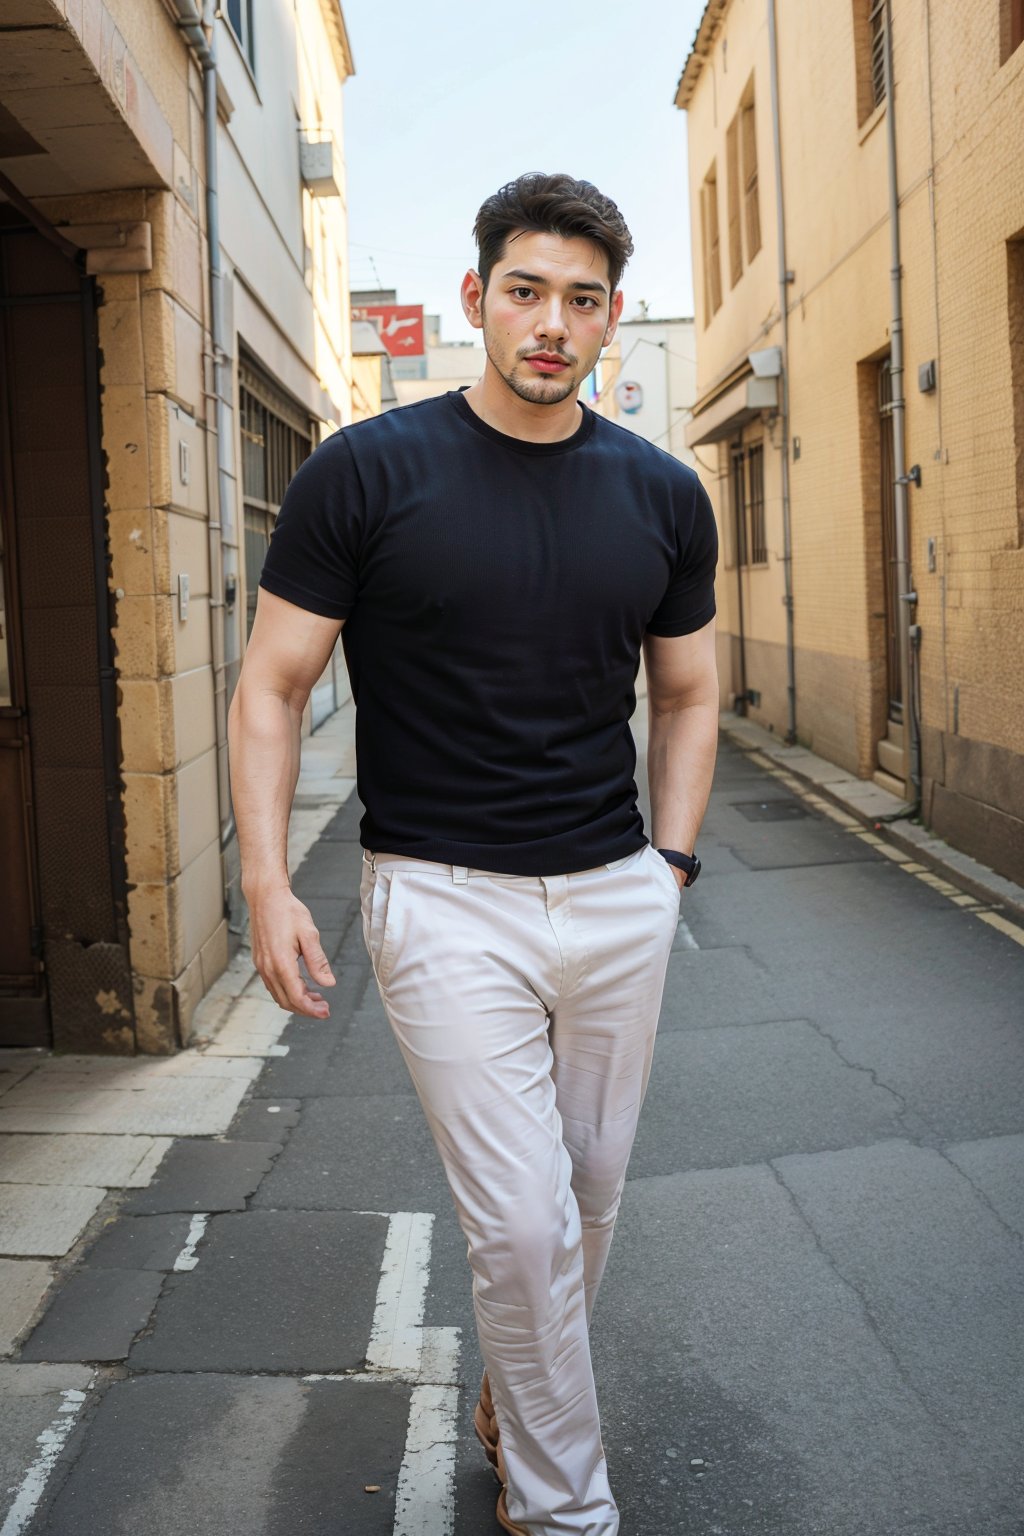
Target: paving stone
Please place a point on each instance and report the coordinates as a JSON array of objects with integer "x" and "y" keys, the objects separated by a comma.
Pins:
[
  {"x": 23, "y": 1284},
  {"x": 205, "y": 1176},
  {"x": 95, "y": 1315},
  {"x": 11, "y": 1072},
  {"x": 30, "y": 1401},
  {"x": 273, "y": 1291},
  {"x": 139, "y": 1242},
  {"x": 325, "y": 1165},
  {"x": 183, "y": 1104},
  {"x": 106, "y": 1161},
  {"x": 941, "y": 1278},
  {"x": 774, "y": 1374},
  {"x": 995, "y": 1166},
  {"x": 744, "y": 1093},
  {"x": 43, "y": 1220},
  {"x": 261, "y": 1118},
  {"x": 223, "y": 1455}
]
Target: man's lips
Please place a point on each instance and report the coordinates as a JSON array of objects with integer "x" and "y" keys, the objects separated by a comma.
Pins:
[{"x": 545, "y": 363}]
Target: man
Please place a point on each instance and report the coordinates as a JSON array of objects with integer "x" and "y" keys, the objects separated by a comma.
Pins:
[{"x": 498, "y": 558}]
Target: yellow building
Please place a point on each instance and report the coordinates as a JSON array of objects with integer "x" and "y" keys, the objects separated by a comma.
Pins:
[
  {"x": 863, "y": 436},
  {"x": 160, "y": 381}
]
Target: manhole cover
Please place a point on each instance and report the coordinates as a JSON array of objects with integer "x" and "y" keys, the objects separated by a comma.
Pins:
[{"x": 771, "y": 810}]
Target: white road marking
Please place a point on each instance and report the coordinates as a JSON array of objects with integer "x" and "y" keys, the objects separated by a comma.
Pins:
[
  {"x": 187, "y": 1258},
  {"x": 51, "y": 1443},
  {"x": 396, "y": 1341},
  {"x": 425, "y": 1499},
  {"x": 403, "y": 1350},
  {"x": 686, "y": 938}
]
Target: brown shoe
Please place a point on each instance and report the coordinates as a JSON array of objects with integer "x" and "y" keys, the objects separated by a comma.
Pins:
[
  {"x": 486, "y": 1425},
  {"x": 503, "y": 1518}
]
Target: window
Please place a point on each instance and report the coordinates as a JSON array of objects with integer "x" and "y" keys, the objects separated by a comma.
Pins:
[
  {"x": 748, "y": 143},
  {"x": 712, "y": 254},
  {"x": 276, "y": 437},
  {"x": 741, "y": 185},
  {"x": 240, "y": 20},
  {"x": 739, "y": 506},
  {"x": 869, "y": 52},
  {"x": 1011, "y": 27},
  {"x": 755, "y": 504},
  {"x": 732, "y": 166},
  {"x": 746, "y": 481}
]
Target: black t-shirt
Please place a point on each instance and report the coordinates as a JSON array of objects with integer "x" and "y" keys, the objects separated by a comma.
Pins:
[{"x": 496, "y": 593}]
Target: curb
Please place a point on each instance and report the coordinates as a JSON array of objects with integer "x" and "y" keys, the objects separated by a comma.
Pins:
[{"x": 909, "y": 837}]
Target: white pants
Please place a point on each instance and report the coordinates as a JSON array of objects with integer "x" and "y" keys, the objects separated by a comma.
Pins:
[{"x": 526, "y": 1009}]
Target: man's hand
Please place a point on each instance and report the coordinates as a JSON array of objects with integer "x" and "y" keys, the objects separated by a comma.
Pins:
[{"x": 283, "y": 932}]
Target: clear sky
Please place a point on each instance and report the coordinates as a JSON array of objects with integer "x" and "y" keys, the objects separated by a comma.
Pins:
[{"x": 452, "y": 99}]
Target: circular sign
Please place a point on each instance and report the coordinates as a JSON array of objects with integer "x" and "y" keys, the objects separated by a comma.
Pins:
[{"x": 630, "y": 396}]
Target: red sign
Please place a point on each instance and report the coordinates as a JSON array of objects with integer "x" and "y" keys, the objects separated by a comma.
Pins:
[{"x": 400, "y": 326}]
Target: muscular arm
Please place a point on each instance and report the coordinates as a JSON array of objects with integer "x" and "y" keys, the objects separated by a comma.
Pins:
[
  {"x": 287, "y": 652},
  {"x": 682, "y": 692}
]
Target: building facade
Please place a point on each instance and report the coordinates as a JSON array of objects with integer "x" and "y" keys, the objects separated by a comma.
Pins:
[
  {"x": 159, "y": 383},
  {"x": 646, "y": 381},
  {"x": 863, "y": 435}
]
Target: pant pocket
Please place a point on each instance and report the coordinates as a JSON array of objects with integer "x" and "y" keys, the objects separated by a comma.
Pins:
[{"x": 379, "y": 912}]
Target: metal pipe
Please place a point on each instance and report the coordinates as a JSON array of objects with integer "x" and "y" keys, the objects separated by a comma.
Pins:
[
  {"x": 787, "y": 531},
  {"x": 200, "y": 31},
  {"x": 903, "y": 582}
]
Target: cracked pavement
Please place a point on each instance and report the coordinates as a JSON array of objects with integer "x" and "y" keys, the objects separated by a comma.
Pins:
[{"x": 812, "y": 1322}]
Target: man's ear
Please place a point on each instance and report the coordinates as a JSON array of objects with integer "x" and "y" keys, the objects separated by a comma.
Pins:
[
  {"x": 473, "y": 299},
  {"x": 614, "y": 312}
]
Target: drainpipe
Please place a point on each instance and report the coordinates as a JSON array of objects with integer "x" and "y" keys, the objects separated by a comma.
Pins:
[
  {"x": 785, "y": 277},
  {"x": 200, "y": 32},
  {"x": 906, "y": 596}
]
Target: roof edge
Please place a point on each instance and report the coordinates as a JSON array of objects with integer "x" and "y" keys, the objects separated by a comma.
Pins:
[
  {"x": 703, "y": 42},
  {"x": 341, "y": 48}
]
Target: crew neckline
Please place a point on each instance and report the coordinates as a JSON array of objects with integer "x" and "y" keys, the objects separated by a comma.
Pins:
[{"x": 521, "y": 444}]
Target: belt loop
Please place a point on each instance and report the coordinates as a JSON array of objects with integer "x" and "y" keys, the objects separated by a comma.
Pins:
[
  {"x": 372, "y": 860},
  {"x": 460, "y": 874}
]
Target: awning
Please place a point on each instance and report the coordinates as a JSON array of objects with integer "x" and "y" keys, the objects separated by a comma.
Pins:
[{"x": 728, "y": 412}]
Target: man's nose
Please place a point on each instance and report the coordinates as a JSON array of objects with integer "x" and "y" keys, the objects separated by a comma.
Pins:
[{"x": 551, "y": 320}]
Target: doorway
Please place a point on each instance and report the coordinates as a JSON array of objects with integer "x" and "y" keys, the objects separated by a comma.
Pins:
[{"x": 65, "y": 977}]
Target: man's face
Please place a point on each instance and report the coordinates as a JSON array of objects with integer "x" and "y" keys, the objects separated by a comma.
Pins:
[{"x": 545, "y": 315}]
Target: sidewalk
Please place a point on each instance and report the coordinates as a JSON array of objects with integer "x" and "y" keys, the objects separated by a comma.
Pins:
[
  {"x": 78, "y": 1133},
  {"x": 823, "y": 784}
]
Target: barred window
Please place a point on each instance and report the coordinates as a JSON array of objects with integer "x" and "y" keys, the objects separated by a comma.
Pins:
[
  {"x": 277, "y": 434},
  {"x": 737, "y": 481},
  {"x": 755, "y": 504}
]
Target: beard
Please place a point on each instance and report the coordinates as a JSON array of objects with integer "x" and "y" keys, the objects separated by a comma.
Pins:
[
  {"x": 538, "y": 389},
  {"x": 550, "y": 389}
]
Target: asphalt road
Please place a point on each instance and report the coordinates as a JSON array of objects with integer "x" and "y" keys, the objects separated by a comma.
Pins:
[{"x": 813, "y": 1316}]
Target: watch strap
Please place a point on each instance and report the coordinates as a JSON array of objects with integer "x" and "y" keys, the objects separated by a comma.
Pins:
[{"x": 687, "y": 862}]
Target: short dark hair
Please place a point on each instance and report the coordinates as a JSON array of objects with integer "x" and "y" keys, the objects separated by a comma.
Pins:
[{"x": 557, "y": 205}]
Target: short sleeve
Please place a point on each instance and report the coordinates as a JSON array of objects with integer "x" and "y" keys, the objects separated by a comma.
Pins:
[
  {"x": 689, "y": 600},
  {"x": 313, "y": 558}
]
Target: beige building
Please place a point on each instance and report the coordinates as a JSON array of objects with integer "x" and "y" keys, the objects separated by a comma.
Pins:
[
  {"x": 161, "y": 377},
  {"x": 863, "y": 438},
  {"x": 646, "y": 381}
]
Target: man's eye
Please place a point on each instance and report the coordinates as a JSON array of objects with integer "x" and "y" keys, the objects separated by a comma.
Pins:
[
  {"x": 587, "y": 303},
  {"x": 523, "y": 292}
]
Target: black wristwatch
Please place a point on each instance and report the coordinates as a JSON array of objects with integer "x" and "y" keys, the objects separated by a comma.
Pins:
[{"x": 688, "y": 862}]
